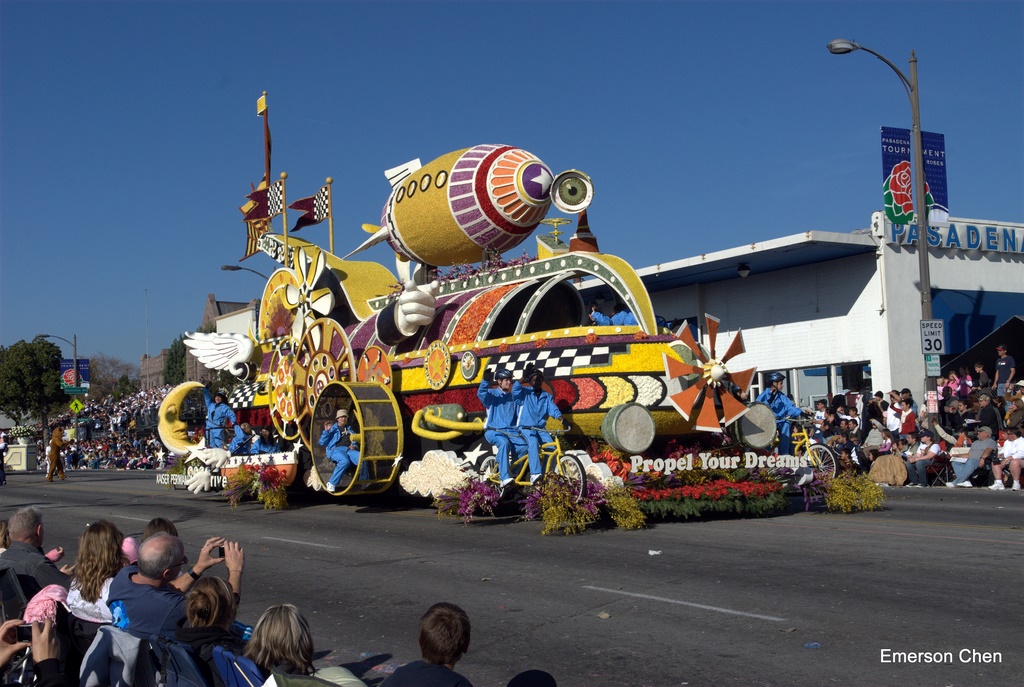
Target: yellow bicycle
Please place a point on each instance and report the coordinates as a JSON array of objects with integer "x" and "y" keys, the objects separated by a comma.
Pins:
[
  {"x": 821, "y": 457},
  {"x": 551, "y": 459}
]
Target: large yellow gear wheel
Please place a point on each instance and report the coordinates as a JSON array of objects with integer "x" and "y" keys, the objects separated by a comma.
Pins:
[{"x": 323, "y": 357}]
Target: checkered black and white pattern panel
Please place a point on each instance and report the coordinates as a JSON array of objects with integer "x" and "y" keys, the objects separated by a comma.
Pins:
[
  {"x": 321, "y": 209},
  {"x": 275, "y": 198},
  {"x": 244, "y": 395},
  {"x": 559, "y": 362}
]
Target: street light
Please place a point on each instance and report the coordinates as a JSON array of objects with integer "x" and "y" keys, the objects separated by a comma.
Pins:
[
  {"x": 235, "y": 268},
  {"x": 74, "y": 365},
  {"x": 842, "y": 46}
]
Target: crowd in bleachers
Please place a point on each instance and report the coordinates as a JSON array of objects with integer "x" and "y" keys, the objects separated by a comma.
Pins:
[
  {"x": 118, "y": 434},
  {"x": 135, "y": 613},
  {"x": 973, "y": 440}
]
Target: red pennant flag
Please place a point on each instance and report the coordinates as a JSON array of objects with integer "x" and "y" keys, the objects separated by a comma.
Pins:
[{"x": 315, "y": 209}]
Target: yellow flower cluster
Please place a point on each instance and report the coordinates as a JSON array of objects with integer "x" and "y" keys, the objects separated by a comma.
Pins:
[
  {"x": 624, "y": 509},
  {"x": 850, "y": 493}
]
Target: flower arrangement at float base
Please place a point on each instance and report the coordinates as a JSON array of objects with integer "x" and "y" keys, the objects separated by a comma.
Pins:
[
  {"x": 850, "y": 493},
  {"x": 20, "y": 432},
  {"x": 467, "y": 500},
  {"x": 264, "y": 483},
  {"x": 553, "y": 501},
  {"x": 696, "y": 492}
]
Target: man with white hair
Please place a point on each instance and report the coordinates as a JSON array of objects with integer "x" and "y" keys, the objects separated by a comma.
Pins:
[
  {"x": 142, "y": 599},
  {"x": 25, "y": 554}
]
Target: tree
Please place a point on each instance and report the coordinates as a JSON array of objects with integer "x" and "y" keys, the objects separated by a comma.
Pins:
[
  {"x": 111, "y": 377},
  {"x": 30, "y": 379},
  {"x": 174, "y": 366}
]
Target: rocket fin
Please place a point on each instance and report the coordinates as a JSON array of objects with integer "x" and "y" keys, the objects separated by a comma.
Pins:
[
  {"x": 378, "y": 236},
  {"x": 396, "y": 175},
  {"x": 371, "y": 228}
]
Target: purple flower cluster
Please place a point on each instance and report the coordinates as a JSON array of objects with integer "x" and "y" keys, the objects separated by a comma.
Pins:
[{"x": 471, "y": 499}]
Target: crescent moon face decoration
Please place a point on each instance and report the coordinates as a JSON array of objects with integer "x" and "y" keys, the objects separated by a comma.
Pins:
[{"x": 173, "y": 431}]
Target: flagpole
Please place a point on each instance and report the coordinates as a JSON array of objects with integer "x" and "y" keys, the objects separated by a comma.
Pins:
[
  {"x": 284, "y": 217},
  {"x": 330, "y": 212},
  {"x": 266, "y": 132}
]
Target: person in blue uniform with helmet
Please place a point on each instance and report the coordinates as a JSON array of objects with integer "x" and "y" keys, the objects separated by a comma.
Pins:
[
  {"x": 538, "y": 406},
  {"x": 502, "y": 405},
  {"x": 783, "y": 407}
]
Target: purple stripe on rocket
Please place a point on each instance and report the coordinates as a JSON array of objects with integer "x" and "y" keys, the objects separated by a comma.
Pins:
[
  {"x": 478, "y": 227},
  {"x": 488, "y": 236},
  {"x": 461, "y": 176},
  {"x": 466, "y": 164},
  {"x": 467, "y": 217},
  {"x": 456, "y": 190},
  {"x": 465, "y": 203}
]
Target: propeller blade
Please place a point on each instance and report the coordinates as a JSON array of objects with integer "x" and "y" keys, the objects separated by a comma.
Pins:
[
  {"x": 732, "y": 409},
  {"x": 708, "y": 418},
  {"x": 684, "y": 400},
  {"x": 674, "y": 368},
  {"x": 742, "y": 378},
  {"x": 735, "y": 348},
  {"x": 686, "y": 336},
  {"x": 712, "y": 332}
]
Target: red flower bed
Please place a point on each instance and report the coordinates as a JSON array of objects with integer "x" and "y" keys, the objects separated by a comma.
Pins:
[{"x": 712, "y": 491}]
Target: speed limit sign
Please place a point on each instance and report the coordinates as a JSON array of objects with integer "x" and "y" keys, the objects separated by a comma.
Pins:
[{"x": 933, "y": 337}]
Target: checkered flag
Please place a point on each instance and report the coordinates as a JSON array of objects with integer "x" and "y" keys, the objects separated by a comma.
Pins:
[
  {"x": 315, "y": 209},
  {"x": 267, "y": 202}
]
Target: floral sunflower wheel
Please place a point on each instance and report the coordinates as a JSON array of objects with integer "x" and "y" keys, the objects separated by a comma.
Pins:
[
  {"x": 324, "y": 356},
  {"x": 276, "y": 316},
  {"x": 283, "y": 409}
]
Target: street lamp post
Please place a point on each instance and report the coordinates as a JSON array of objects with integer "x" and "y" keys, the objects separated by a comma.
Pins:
[
  {"x": 236, "y": 268},
  {"x": 74, "y": 366},
  {"x": 841, "y": 47}
]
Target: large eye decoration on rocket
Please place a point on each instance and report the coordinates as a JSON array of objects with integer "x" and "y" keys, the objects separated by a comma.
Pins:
[{"x": 572, "y": 191}]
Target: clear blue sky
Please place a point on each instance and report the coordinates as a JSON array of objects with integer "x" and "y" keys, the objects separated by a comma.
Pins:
[{"x": 129, "y": 133}]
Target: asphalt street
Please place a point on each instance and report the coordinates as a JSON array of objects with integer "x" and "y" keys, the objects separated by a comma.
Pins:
[{"x": 806, "y": 598}]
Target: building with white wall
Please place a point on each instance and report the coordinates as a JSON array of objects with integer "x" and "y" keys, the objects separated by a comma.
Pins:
[{"x": 842, "y": 311}]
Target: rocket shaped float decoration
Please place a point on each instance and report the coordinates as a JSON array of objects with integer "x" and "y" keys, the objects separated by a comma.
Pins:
[{"x": 485, "y": 198}]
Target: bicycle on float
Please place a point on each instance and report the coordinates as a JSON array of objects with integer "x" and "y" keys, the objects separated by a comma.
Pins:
[
  {"x": 552, "y": 460},
  {"x": 820, "y": 456}
]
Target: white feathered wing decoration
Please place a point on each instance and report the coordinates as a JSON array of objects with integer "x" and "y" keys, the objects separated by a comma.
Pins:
[{"x": 228, "y": 352}]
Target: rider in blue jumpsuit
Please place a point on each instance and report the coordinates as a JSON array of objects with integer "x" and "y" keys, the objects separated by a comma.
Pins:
[
  {"x": 620, "y": 317},
  {"x": 218, "y": 417},
  {"x": 783, "y": 408},
  {"x": 538, "y": 406},
  {"x": 502, "y": 406},
  {"x": 340, "y": 448}
]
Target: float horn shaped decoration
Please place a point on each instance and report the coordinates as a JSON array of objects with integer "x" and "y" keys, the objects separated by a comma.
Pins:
[{"x": 712, "y": 391}]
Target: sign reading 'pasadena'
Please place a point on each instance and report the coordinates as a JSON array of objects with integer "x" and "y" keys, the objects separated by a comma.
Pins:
[{"x": 962, "y": 235}]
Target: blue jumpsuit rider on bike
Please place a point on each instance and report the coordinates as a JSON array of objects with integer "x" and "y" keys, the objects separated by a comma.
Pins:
[
  {"x": 538, "y": 406},
  {"x": 783, "y": 408},
  {"x": 502, "y": 407}
]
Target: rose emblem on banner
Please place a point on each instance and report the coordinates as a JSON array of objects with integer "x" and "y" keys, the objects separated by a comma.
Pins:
[{"x": 899, "y": 200}]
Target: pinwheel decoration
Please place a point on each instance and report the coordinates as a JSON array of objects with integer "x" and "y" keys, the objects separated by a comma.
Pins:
[{"x": 710, "y": 398}]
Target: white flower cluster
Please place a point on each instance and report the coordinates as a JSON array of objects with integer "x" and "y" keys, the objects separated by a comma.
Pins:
[
  {"x": 602, "y": 474},
  {"x": 433, "y": 474},
  {"x": 648, "y": 390}
]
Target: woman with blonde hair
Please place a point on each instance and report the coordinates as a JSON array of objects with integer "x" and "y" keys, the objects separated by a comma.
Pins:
[
  {"x": 99, "y": 558},
  {"x": 282, "y": 642},
  {"x": 210, "y": 609}
]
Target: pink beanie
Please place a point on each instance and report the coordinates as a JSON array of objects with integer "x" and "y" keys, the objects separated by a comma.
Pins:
[{"x": 130, "y": 547}]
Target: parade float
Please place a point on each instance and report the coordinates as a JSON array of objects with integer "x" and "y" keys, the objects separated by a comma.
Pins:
[{"x": 404, "y": 353}]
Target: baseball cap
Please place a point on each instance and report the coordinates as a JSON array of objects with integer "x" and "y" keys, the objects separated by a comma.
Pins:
[
  {"x": 985, "y": 429},
  {"x": 1001, "y": 347}
]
